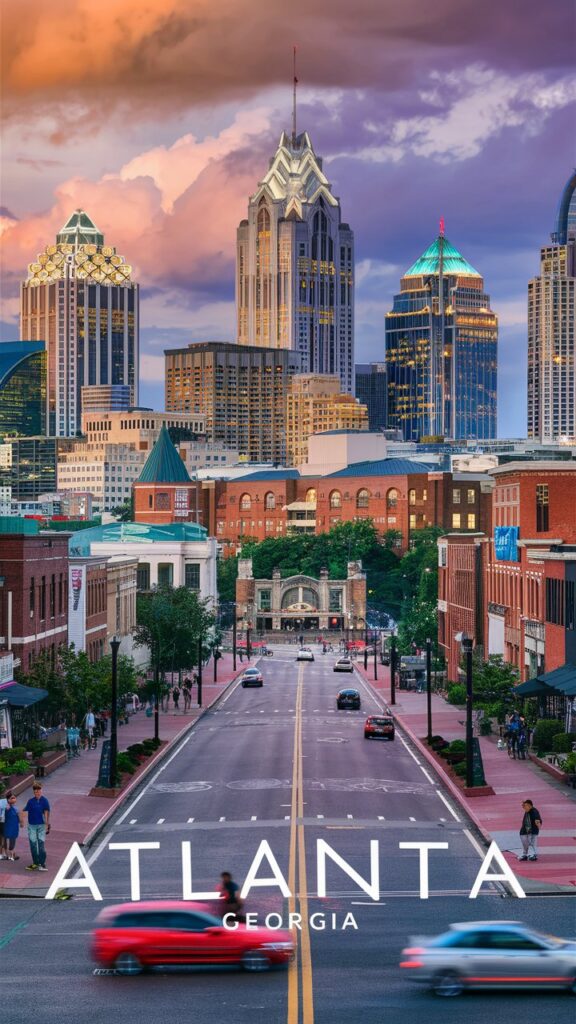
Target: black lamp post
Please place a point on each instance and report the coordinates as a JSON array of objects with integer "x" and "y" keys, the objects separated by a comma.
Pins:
[
  {"x": 234, "y": 628},
  {"x": 365, "y": 646},
  {"x": 393, "y": 656},
  {"x": 157, "y": 697},
  {"x": 200, "y": 672},
  {"x": 467, "y": 650},
  {"x": 215, "y": 656},
  {"x": 114, "y": 647},
  {"x": 429, "y": 687},
  {"x": 375, "y": 637}
]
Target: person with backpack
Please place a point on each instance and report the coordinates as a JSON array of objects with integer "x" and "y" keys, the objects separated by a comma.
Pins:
[{"x": 530, "y": 830}]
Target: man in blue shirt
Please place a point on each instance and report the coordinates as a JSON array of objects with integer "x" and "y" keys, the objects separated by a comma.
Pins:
[{"x": 38, "y": 811}]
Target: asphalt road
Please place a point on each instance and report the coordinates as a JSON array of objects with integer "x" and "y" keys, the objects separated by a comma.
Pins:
[{"x": 280, "y": 764}]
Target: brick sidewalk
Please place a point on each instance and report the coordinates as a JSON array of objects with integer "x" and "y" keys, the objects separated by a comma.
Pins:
[
  {"x": 498, "y": 816},
  {"x": 74, "y": 814}
]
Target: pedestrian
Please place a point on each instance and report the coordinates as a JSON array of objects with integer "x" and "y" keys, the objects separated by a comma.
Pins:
[
  {"x": 90, "y": 725},
  {"x": 522, "y": 744},
  {"x": 12, "y": 822},
  {"x": 230, "y": 893},
  {"x": 530, "y": 830},
  {"x": 187, "y": 687},
  {"x": 176, "y": 697},
  {"x": 3, "y": 809},
  {"x": 38, "y": 811}
]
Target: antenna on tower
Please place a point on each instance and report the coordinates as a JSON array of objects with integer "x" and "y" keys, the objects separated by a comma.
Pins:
[
  {"x": 294, "y": 84},
  {"x": 442, "y": 226}
]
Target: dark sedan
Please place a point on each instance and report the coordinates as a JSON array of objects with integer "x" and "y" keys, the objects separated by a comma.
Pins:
[{"x": 348, "y": 699}]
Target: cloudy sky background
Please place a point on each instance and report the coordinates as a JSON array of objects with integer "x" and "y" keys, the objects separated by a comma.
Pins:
[{"x": 160, "y": 120}]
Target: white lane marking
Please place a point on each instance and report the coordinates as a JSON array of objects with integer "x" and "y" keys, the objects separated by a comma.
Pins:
[
  {"x": 254, "y": 818},
  {"x": 412, "y": 755},
  {"x": 428, "y": 776},
  {"x": 450, "y": 808},
  {"x": 442, "y": 819},
  {"x": 319, "y": 815},
  {"x": 221, "y": 819},
  {"x": 367, "y": 903},
  {"x": 411, "y": 819},
  {"x": 481, "y": 853},
  {"x": 151, "y": 781},
  {"x": 133, "y": 821},
  {"x": 190, "y": 820},
  {"x": 381, "y": 817},
  {"x": 161, "y": 821},
  {"x": 286, "y": 817},
  {"x": 351, "y": 816}
]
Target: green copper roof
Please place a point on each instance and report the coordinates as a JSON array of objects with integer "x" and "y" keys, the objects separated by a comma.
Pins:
[
  {"x": 164, "y": 465},
  {"x": 80, "y": 229},
  {"x": 452, "y": 261},
  {"x": 133, "y": 533}
]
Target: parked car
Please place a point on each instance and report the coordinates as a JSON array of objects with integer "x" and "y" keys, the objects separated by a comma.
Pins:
[
  {"x": 131, "y": 937},
  {"x": 379, "y": 727},
  {"x": 344, "y": 665},
  {"x": 252, "y": 677},
  {"x": 348, "y": 699},
  {"x": 305, "y": 654},
  {"x": 491, "y": 954}
]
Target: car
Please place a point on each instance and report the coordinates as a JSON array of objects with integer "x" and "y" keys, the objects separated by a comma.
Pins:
[
  {"x": 252, "y": 677},
  {"x": 343, "y": 665},
  {"x": 491, "y": 954},
  {"x": 131, "y": 937},
  {"x": 348, "y": 699},
  {"x": 379, "y": 727},
  {"x": 305, "y": 654}
]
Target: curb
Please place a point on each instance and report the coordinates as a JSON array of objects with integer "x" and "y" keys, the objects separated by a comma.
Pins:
[{"x": 160, "y": 755}]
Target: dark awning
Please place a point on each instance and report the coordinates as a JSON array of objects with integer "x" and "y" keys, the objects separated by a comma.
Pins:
[
  {"x": 560, "y": 681},
  {"x": 19, "y": 696}
]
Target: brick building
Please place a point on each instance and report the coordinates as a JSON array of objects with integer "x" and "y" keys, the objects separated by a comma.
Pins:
[
  {"x": 88, "y": 605},
  {"x": 164, "y": 492},
  {"x": 33, "y": 591},
  {"x": 524, "y": 613}
]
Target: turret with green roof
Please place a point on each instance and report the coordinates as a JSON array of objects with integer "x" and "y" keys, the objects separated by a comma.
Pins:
[{"x": 164, "y": 465}]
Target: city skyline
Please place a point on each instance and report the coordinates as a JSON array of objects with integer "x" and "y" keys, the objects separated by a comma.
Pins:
[{"x": 468, "y": 117}]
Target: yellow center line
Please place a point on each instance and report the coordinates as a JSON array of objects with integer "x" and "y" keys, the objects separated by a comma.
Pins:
[
  {"x": 293, "y": 1009},
  {"x": 306, "y": 952}
]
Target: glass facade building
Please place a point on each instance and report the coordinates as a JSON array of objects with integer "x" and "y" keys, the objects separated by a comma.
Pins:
[
  {"x": 295, "y": 263},
  {"x": 80, "y": 299},
  {"x": 372, "y": 391},
  {"x": 22, "y": 388},
  {"x": 441, "y": 350}
]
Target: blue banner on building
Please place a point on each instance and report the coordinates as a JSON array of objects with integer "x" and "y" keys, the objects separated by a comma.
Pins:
[{"x": 506, "y": 543}]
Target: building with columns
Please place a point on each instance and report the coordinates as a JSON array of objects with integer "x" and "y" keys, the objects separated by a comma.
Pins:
[{"x": 301, "y": 603}]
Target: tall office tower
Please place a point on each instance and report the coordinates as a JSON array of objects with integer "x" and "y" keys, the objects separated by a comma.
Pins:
[
  {"x": 80, "y": 300},
  {"x": 22, "y": 388},
  {"x": 314, "y": 405},
  {"x": 372, "y": 389},
  {"x": 441, "y": 350},
  {"x": 552, "y": 331},
  {"x": 240, "y": 389},
  {"x": 295, "y": 265}
]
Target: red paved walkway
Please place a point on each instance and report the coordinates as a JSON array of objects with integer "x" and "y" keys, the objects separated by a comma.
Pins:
[
  {"x": 499, "y": 816},
  {"x": 75, "y": 814}
]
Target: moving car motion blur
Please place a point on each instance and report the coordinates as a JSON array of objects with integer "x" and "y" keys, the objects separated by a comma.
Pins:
[
  {"x": 344, "y": 665},
  {"x": 131, "y": 937},
  {"x": 491, "y": 954},
  {"x": 252, "y": 677},
  {"x": 379, "y": 727},
  {"x": 348, "y": 699}
]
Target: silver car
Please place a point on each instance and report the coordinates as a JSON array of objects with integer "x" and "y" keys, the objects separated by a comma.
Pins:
[{"x": 491, "y": 954}]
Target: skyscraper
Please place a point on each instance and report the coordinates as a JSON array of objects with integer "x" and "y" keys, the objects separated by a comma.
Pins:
[
  {"x": 441, "y": 350},
  {"x": 22, "y": 388},
  {"x": 295, "y": 264},
  {"x": 80, "y": 300},
  {"x": 372, "y": 389},
  {"x": 552, "y": 330}
]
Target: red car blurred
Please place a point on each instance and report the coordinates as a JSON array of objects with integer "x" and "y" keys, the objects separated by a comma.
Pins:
[
  {"x": 379, "y": 727},
  {"x": 131, "y": 937}
]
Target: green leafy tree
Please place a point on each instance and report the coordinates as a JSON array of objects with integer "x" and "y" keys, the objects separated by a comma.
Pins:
[
  {"x": 170, "y": 622},
  {"x": 74, "y": 683},
  {"x": 124, "y": 513},
  {"x": 493, "y": 683}
]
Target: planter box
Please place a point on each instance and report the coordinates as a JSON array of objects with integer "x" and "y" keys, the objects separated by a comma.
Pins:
[
  {"x": 49, "y": 763},
  {"x": 444, "y": 767},
  {"x": 553, "y": 770},
  {"x": 18, "y": 783}
]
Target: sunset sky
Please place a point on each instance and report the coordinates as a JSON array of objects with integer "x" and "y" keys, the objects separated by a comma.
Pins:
[{"x": 159, "y": 118}]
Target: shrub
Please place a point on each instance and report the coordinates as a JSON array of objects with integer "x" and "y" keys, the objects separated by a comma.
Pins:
[
  {"x": 14, "y": 754},
  {"x": 36, "y": 748},
  {"x": 485, "y": 727},
  {"x": 568, "y": 764},
  {"x": 125, "y": 763},
  {"x": 136, "y": 749},
  {"x": 457, "y": 747},
  {"x": 460, "y": 769},
  {"x": 544, "y": 733},
  {"x": 20, "y": 767},
  {"x": 562, "y": 742},
  {"x": 456, "y": 694}
]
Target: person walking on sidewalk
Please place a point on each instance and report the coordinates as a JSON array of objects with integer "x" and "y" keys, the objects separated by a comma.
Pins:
[
  {"x": 529, "y": 831},
  {"x": 90, "y": 725},
  {"x": 176, "y": 698},
  {"x": 187, "y": 688},
  {"x": 12, "y": 822},
  {"x": 38, "y": 811},
  {"x": 3, "y": 809}
]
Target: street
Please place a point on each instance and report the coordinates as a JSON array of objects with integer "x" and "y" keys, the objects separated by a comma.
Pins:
[{"x": 280, "y": 764}]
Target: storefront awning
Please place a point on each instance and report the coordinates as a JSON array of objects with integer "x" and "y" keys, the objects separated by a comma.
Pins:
[
  {"x": 560, "y": 681},
  {"x": 18, "y": 696}
]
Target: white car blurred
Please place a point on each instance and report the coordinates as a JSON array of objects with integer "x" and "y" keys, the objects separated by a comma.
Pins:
[{"x": 305, "y": 654}]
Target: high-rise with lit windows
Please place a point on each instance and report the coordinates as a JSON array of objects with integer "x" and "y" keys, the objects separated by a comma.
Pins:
[
  {"x": 552, "y": 331},
  {"x": 441, "y": 350},
  {"x": 79, "y": 299},
  {"x": 295, "y": 265}
]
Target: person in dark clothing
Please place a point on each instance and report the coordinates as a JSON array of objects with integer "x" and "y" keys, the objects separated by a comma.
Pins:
[
  {"x": 530, "y": 830},
  {"x": 176, "y": 697},
  {"x": 230, "y": 893}
]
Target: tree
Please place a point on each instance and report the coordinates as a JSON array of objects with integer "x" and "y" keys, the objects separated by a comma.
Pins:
[
  {"x": 170, "y": 623},
  {"x": 74, "y": 683},
  {"x": 124, "y": 513},
  {"x": 493, "y": 683}
]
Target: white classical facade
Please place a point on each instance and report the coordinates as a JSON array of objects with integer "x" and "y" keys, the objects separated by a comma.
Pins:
[{"x": 295, "y": 265}]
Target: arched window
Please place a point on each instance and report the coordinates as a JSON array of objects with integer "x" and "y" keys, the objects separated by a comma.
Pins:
[
  {"x": 245, "y": 502},
  {"x": 269, "y": 500},
  {"x": 392, "y": 498},
  {"x": 311, "y": 495},
  {"x": 412, "y": 497},
  {"x": 335, "y": 499},
  {"x": 362, "y": 498}
]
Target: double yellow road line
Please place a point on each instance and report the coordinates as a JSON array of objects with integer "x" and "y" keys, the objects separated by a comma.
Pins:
[{"x": 300, "y": 993}]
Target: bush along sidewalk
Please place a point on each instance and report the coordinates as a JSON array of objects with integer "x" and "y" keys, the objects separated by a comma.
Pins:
[{"x": 129, "y": 760}]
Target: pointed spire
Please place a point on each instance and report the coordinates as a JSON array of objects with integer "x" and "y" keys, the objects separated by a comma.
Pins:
[
  {"x": 442, "y": 227},
  {"x": 164, "y": 465},
  {"x": 294, "y": 84}
]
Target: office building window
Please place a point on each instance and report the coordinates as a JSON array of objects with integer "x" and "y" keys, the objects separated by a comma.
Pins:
[
  {"x": 165, "y": 574},
  {"x": 456, "y": 496},
  {"x": 542, "y": 508},
  {"x": 143, "y": 576},
  {"x": 471, "y": 521},
  {"x": 470, "y": 495},
  {"x": 192, "y": 575},
  {"x": 456, "y": 519}
]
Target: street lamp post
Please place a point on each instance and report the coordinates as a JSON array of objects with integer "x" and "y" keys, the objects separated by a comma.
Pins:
[
  {"x": 365, "y": 646},
  {"x": 114, "y": 647},
  {"x": 215, "y": 657},
  {"x": 429, "y": 687},
  {"x": 157, "y": 696},
  {"x": 393, "y": 670},
  {"x": 234, "y": 628},
  {"x": 199, "y": 671},
  {"x": 467, "y": 649},
  {"x": 375, "y": 635}
]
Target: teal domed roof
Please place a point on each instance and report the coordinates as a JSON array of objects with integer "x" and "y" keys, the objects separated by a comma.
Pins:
[{"x": 452, "y": 261}]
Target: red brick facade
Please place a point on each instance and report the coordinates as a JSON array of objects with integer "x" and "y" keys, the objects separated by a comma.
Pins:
[
  {"x": 96, "y": 609},
  {"x": 34, "y": 595}
]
